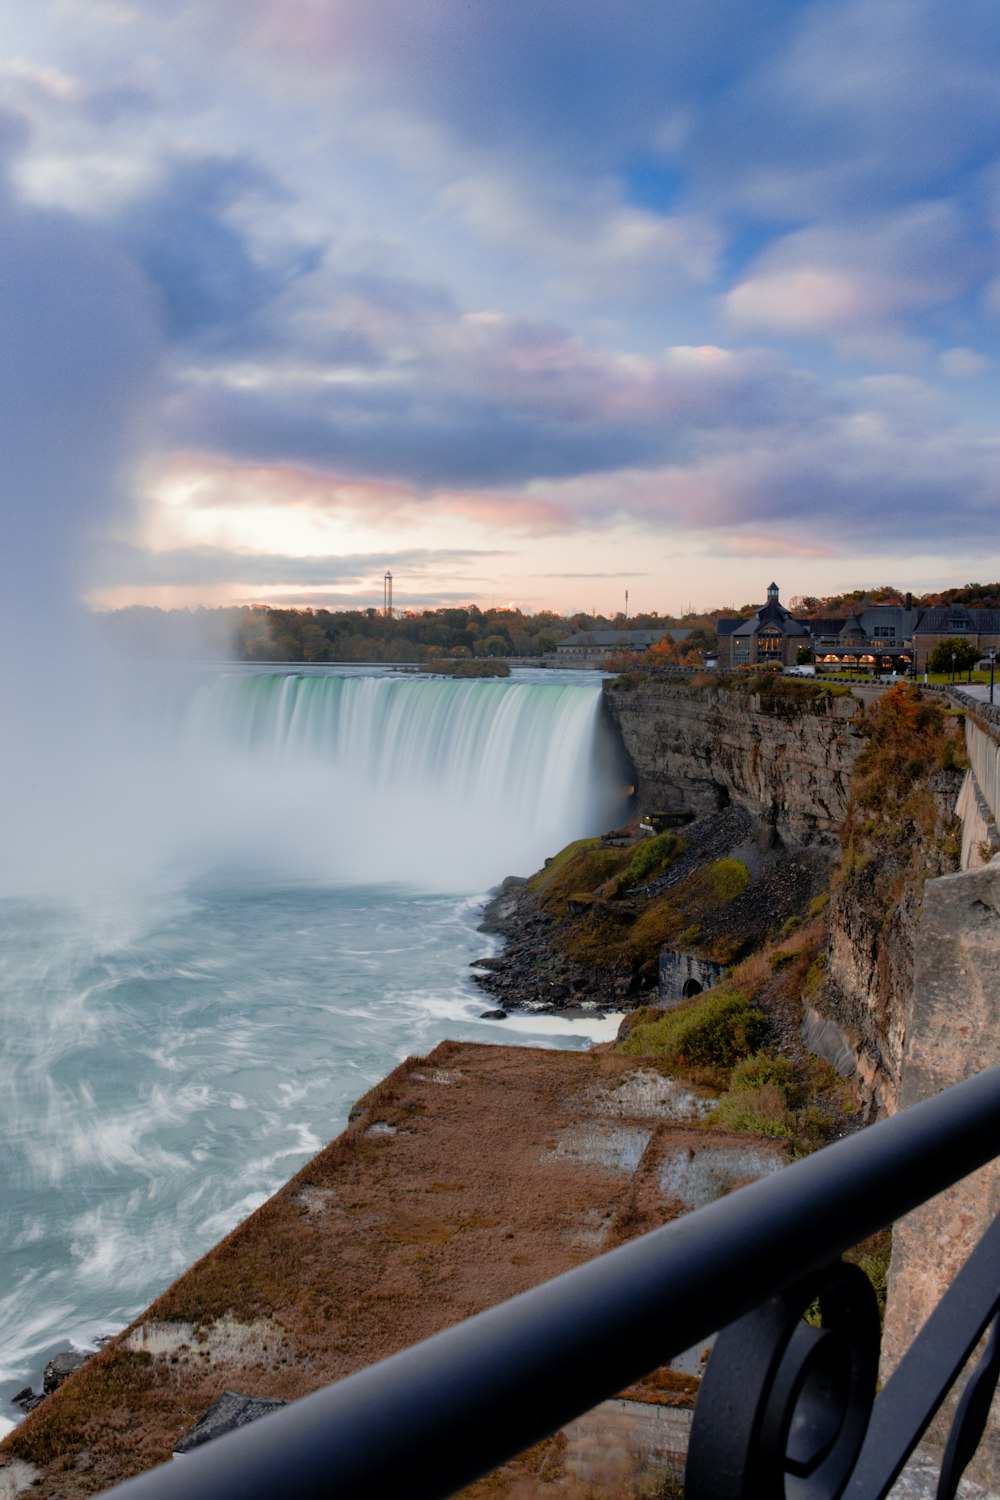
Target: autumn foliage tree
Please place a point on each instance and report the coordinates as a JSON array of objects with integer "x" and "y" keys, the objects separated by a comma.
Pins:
[{"x": 907, "y": 732}]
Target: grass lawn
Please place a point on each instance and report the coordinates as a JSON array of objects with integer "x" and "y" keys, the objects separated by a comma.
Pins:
[{"x": 961, "y": 679}]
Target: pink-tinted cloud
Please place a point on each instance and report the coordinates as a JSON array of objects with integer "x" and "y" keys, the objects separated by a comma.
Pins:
[
  {"x": 851, "y": 281},
  {"x": 770, "y": 544},
  {"x": 202, "y": 481},
  {"x": 514, "y": 513},
  {"x": 532, "y": 269}
]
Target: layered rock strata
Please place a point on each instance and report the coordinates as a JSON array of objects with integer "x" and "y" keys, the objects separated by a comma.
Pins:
[
  {"x": 877, "y": 898},
  {"x": 785, "y": 757}
]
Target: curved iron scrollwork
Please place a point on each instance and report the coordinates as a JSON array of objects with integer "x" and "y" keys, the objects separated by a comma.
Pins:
[{"x": 784, "y": 1404}]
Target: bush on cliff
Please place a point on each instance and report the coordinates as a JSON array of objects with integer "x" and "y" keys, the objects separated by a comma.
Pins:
[
  {"x": 724, "y": 880},
  {"x": 895, "y": 833},
  {"x": 764, "y": 1070},
  {"x": 651, "y": 858},
  {"x": 762, "y": 1111},
  {"x": 769, "y": 1095},
  {"x": 582, "y": 866},
  {"x": 714, "y": 1030},
  {"x": 906, "y": 734}
]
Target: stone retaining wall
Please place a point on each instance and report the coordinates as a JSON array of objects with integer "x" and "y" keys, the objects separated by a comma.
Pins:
[
  {"x": 682, "y": 975},
  {"x": 621, "y": 1440},
  {"x": 983, "y": 744},
  {"x": 953, "y": 1031}
]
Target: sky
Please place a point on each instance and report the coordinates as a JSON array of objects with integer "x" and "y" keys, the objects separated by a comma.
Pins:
[{"x": 531, "y": 303}]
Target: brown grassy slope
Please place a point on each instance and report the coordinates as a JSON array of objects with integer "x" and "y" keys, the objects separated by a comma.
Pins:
[{"x": 492, "y": 1182}]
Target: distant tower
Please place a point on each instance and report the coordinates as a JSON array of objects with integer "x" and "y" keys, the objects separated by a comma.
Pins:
[
  {"x": 387, "y": 595},
  {"x": 772, "y": 593}
]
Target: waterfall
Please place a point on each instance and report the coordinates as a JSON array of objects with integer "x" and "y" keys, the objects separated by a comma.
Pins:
[
  {"x": 442, "y": 783},
  {"x": 316, "y": 774}
]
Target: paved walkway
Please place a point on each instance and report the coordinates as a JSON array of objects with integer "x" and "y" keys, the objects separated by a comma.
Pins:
[{"x": 981, "y": 690}]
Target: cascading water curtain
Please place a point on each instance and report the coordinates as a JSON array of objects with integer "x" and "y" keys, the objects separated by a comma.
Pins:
[{"x": 430, "y": 780}]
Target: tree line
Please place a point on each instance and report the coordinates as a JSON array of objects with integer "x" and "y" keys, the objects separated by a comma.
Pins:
[{"x": 262, "y": 633}]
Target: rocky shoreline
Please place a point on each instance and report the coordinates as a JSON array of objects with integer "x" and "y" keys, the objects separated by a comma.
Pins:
[
  {"x": 59, "y": 1368},
  {"x": 530, "y": 974},
  {"x": 534, "y": 973}
]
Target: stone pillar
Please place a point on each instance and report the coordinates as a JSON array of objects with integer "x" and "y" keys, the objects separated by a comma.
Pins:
[{"x": 953, "y": 1031}]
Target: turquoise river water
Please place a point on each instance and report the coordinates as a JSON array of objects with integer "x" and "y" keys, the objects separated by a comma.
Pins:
[{"x": 262, "y": 903}]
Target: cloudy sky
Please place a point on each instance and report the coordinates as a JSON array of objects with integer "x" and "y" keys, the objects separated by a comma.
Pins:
[{"x": 530, "y": 301}]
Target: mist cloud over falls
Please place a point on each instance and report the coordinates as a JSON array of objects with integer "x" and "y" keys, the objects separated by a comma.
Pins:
[{"x": 79, "y": 345}]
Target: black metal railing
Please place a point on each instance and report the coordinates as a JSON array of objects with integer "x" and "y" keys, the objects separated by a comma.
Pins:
[{"x": 786, "y": 1409}]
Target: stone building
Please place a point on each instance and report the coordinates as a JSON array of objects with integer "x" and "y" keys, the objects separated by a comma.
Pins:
[
  {"x": 954, "y": 621},
  {"x": 879, "y": 637},
  {"x": 770, "y": 635}
]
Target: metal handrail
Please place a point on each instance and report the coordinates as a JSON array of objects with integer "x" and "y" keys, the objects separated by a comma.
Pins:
[{"x": 440, "y": 1414}]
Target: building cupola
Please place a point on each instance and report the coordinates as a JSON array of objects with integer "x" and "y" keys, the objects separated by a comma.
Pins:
[{"x": 772, "y": 593}]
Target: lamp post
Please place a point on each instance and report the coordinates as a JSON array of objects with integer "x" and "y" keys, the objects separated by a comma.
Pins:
[
  {"x": 993, "y": 659},
  {"x": 953, "y": 669}
]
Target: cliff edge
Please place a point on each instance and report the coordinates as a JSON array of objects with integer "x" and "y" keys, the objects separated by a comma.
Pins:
[{"x": 782, "y": 749}]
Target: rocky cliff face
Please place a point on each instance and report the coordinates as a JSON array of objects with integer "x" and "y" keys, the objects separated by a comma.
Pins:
[
  {"x": 900, "y": 830},
  {"x": 787, "y": 758},
  {"x": 794, "y": 762},
  {"x": 954, "y": 1031},
  {"x": 875, "y": 909}
]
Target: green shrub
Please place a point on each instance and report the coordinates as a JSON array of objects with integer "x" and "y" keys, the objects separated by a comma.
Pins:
[
  {"x": 728, "y": 878},
  {"x": 873, "y": 1256},
  {"x": 815, "y": 976},
  {"x": 762, "y": 1070},
  {"x": 812, "y": 1131},
  {"x": 952, "y": 756},
  {"x": 651, "y": 858},
  {"x": 711, "y": 887},
  {"x": 761, "y": 1111},
  {"x": 716, "y": 1029}
]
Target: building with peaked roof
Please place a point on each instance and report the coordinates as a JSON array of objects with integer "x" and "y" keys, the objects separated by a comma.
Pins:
[
  {"x": 595, "y": 646},
  {"x": 770, "y": 635},
  {"x": 956, "y": 621},
  {"x": 879, "y": 637}
]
